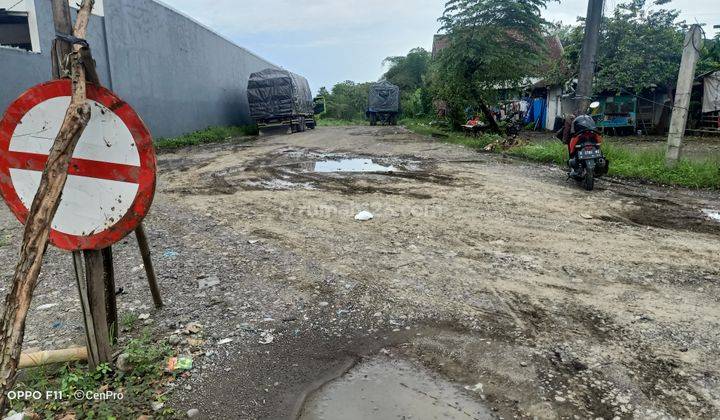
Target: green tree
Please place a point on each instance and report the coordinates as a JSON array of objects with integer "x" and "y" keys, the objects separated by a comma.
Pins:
[
  {"x": 492, "y": 43},
  {"x": 710, "y": 58},
  {"x": 346, "y": 101},
  {"x": 639, "y": 47},
  {"x": 408, "y": 72}
]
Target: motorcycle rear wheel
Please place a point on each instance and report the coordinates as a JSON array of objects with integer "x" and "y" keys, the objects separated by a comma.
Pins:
[{"x": 589, "y": 180}]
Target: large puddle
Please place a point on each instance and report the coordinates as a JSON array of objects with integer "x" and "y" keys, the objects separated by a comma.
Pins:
[
  {"x": 391, "y": 389},
  {"x": 352, "y": 165}
]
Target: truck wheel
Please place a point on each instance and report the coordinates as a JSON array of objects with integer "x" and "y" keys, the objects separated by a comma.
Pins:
[{"x": 393, "y": 119}]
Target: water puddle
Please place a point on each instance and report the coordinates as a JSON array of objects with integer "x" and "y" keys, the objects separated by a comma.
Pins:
[
  {"x": 712, "y": 214},
  {"x": 352, "y": 165},
  {"x": 391, "y": 389}
]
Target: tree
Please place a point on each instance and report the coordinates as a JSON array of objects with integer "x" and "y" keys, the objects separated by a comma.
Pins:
[
  {"x": 639, "y": 48},
  {"x": 492, "y": 43},
  {"x": 710, "y": 56},
  {"x": 408, "y": 72},
  {"x": 346, "y": 101}
]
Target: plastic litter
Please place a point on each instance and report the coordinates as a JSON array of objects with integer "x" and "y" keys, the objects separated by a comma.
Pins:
[
  {"x": 178, "y": 364},
  {"x": 364, "y": 216}
]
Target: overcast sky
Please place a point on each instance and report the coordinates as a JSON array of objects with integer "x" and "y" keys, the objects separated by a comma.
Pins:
[{"x": 329, "y": 41}]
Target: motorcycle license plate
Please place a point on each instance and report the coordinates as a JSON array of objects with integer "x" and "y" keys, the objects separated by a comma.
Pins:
[{"x": 589, "y": 154}]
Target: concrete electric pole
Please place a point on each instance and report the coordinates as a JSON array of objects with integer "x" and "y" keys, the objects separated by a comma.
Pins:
[
  {"x": 587, "y": 58},
  {"x": 691, "y": 53}
]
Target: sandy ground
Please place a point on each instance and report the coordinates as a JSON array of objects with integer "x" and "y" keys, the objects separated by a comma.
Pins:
[{"x": 482, "y": 269}]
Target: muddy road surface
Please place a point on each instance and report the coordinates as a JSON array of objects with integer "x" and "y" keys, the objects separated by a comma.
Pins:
[{"x": 494, "y": 287}]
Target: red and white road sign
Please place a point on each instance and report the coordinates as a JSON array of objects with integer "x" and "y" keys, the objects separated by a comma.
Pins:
[{"x": 111, "y": 179}]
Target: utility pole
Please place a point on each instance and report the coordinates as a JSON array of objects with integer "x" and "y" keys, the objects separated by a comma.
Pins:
[
  {"x": 587, "y": 58},
  {"x": 691, "y": 54}
]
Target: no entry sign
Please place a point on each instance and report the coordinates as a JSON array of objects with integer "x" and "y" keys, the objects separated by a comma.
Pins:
[{"x": 111, "y": 178}]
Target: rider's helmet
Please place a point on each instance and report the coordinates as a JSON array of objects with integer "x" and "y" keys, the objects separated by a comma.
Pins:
[{"x": 583, "y": 123}]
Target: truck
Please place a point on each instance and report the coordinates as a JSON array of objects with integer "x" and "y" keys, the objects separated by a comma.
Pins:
[
  {"x": 278, "y": 97},
  {"x": 383, "y": 103}
]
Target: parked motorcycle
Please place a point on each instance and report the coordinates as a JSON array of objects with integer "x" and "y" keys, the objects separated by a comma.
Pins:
[{"x": 586, "y": 160}]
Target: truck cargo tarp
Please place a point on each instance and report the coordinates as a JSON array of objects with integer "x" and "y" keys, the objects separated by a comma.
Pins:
[
  {"x": 384, "y": 97},
  {"x": 274, "y": 93}
]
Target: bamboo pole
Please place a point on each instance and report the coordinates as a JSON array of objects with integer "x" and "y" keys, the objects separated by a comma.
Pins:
[
  {"x": 42, "y": 212},
  {"x": 46, "y": 357}
]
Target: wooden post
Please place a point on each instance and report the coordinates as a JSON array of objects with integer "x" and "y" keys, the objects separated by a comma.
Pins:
[
  {"x": 110, "y": 301},
  {"x": 42, "y": 211},
  {"x": 98, "y": 337},
  {"x": 147, "y": 262},
  {"x": 81, "y": 280},
  {"x": 61, "y": 49},
  {"x": 678, "y": 120},
  {"x": 91, "y": 287}
]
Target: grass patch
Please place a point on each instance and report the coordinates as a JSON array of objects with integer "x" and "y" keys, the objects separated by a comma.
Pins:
[
  {"x": 141, "y": 386},
  {"x": 626, "y": 163},
  {"x": 209, "y": 135},
  {"x": 128, "y": 320},
  {"x": 444, "y": 134},
  {"x": 334, "y": 122}
]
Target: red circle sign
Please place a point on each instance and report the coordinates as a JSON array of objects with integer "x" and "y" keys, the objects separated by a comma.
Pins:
[{"x": 111, "y": 178}]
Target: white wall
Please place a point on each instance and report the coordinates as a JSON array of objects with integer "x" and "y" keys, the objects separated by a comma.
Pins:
[
  {"x": 27, "y": 6},
  {"x": 554, "y": 106}
]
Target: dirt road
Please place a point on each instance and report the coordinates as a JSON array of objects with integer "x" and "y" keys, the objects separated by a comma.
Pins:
[{"x": 497, "y": 275}]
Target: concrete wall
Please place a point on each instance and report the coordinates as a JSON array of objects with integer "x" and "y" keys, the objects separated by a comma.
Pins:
[{"x": 178, "y": 75}]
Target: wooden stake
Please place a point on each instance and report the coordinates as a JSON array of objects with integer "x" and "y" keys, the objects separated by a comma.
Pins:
[
  {"x": 96, "y": 298},
  {"x": 110, "y": 301},
  {"x": 61, "y": 49},
  {"x": 147, "y": 262},
  {"x": 42, "y": 211},
  {"x": 90, "y": 280}
]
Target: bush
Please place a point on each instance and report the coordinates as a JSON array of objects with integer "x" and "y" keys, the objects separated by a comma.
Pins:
[{"x": 208, "y": 135}]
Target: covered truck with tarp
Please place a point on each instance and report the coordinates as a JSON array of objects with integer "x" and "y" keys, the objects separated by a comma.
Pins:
[
  {"x": 280, "y": 98},
  {"x": 383, "y": 103}
]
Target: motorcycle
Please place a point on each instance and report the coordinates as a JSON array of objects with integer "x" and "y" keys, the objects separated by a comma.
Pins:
[{"x": 586, "y": 160}]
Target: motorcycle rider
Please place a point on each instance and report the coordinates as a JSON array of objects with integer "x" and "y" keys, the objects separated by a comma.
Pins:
[{"x": 574, "y": 128}]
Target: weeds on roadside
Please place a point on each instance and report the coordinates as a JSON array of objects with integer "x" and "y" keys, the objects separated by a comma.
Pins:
[
  {"x": 209, "y": 135},
  {"x": 424, "y": 127},
  {"x": 140, "y": 386},
  {"x": 128, "y": 320},
  {"x": 644, "y": 165}
]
